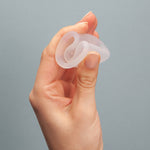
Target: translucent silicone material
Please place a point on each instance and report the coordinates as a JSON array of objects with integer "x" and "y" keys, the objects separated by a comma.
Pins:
[{"x": 74, "y": 47}]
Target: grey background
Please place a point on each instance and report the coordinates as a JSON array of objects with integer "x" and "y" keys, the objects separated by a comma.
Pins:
[{"x": 123, "y": 87}]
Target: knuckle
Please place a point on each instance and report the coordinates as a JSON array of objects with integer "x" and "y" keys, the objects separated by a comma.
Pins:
[
  {"x": 62, "y": 31},
  {"x": 44, "y": 54},
  {"x": 31, "y": 98},
  {"x": 33, "y": 102},
  {"x": 86, "y": 81}
]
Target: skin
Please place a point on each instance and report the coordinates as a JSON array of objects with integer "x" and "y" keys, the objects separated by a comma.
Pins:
[{"x": 64, "y": 99}]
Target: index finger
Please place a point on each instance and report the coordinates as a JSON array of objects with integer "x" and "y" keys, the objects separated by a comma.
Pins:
[
  {"x": 48, "y": 70},
  {"x": 92, "y": 21}
]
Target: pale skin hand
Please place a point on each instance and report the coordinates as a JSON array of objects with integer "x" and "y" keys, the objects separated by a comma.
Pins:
[{"x": 64, "y": 100}]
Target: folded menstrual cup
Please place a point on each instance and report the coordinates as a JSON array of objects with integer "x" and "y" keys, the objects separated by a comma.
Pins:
[{"x": 74, "y": 47}]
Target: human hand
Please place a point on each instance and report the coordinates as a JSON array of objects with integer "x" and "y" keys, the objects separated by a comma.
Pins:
[{"x": 64, "y": 99}]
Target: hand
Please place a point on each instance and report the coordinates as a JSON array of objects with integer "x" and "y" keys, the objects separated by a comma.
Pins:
[{"x": 64, "y": 99}]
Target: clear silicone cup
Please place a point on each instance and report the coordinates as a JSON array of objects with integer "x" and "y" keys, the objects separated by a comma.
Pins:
[{"x": 74, "y": 47}]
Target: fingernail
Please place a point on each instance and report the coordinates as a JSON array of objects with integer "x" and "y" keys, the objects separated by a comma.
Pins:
[
  {"x": 87, "y": 14},
  {"x": 92, "y": 60},
  {"x": 82, "y": 23}
]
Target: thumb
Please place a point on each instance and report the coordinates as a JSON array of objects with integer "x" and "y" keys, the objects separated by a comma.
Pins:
[{"x": 86, "y": 80}]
